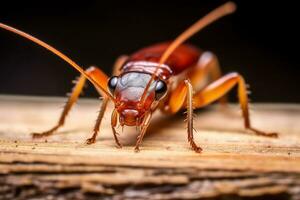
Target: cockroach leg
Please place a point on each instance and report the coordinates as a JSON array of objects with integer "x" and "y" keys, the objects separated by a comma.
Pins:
[
  {"x": 98, "y": 121},
  {"x": 261, "y": 133},
  {"x": 49, "y": 132},
  {"x": 189, "y": 106},
  {"x": 144, "y": 127},
  {"x": 139, "y": 139},
  {"x": 72, "y": 99},
  {"x": 219, "y": 88},
  {"x": 116, "y": 70},
  {"x": 93, "y": 72},
  {"x": 184, "y": 92},
  {"x": 207, "y": 68},
  {"x": 114, "y": 121}
]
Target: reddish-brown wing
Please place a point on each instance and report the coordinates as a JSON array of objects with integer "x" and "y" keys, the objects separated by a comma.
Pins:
[{"x": 183, "y": 57}]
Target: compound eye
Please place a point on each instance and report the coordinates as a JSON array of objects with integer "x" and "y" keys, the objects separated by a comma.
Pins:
[
  {"x": 160, "y": 89},
  {"x": 112, "y": 83}
]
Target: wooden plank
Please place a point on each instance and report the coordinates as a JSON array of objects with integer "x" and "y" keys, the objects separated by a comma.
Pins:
[{"x": 234, "y": 163}]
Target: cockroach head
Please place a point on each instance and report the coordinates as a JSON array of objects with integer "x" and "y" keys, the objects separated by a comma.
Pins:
[{"x": 128, "y": 90}]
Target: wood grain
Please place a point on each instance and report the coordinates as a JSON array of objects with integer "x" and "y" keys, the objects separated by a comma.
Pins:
[{"x": 233, "y": 165}]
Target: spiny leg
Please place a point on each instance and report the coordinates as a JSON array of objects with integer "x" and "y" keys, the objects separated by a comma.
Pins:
[
  {"x": 189, "y": 107},
  {"x": 144, "y": 127},
  {"x": 208, "y": 65},
  {"x": 116, "y": 70},
  {"x": 219, "y": 88},
  {"x": 104, "y": 103},
  {"x": 211, "y": 93},
  {"x": 94, "y": 72},
  {"x": 114, "y": 121},
  {"x": 95, "y": 76},
  {"x": 72, "y": 99},
  {"x": 181, "y": 96}
]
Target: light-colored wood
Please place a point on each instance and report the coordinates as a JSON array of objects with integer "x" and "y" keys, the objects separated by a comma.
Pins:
[{"x": 233, "y": 163}]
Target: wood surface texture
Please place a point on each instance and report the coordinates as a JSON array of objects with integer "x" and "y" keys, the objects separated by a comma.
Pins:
[{"x": 234, "y": 163}]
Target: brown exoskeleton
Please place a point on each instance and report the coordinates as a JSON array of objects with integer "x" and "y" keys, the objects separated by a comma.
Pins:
[{"x": 161, "y": 76}]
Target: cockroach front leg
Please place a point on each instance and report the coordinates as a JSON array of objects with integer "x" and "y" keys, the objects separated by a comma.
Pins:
[
  {"x": 144, "y": 127},
  {"x": 116, "y": 70},
  {"x": 189, "y": 107},
  {"x": 98, "y": 121},
  {"x": 114, "y": 121},
  {"x": 98, "y": 76},
  {"x": 184, "y": 97}
]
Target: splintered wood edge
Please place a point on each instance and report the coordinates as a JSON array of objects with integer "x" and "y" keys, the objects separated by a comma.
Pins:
[{"x": 53, "y": 180}]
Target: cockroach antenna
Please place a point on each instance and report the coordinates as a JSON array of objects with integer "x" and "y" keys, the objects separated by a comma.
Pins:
[
  {"x": 214, "y": 15},
  {"x": 58, "y": 53}
]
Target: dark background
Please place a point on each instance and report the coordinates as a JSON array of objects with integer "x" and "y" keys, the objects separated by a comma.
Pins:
[{"x": 260, "y": 41}]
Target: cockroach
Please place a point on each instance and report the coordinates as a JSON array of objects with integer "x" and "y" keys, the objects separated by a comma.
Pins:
[{"x": 162, "y": 76}]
